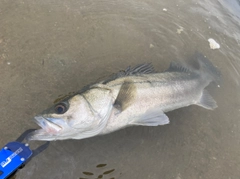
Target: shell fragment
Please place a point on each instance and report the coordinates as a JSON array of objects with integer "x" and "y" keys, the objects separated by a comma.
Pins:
[{"x": 213, "y": 44}]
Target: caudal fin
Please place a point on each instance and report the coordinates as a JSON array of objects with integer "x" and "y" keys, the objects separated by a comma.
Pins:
[
  {"x": 206, "y": 101},
  {"x": 207, "y": 68}
]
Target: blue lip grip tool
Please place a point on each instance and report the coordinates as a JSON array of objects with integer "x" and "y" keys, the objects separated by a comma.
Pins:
[{"x": 14, "y": 155}]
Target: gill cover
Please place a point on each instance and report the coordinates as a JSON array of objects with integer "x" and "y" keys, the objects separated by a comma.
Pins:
[
  {"x": 98, "y": 103},
  {"x": 87, "y": 114}
]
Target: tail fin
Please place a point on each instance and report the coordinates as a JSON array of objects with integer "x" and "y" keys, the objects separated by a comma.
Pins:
[{"x": 207, "y": 68}]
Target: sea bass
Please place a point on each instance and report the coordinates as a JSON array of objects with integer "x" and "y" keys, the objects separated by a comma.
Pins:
[{"x": 135, "y": 96}]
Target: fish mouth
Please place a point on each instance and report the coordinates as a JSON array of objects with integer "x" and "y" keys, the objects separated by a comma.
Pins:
[{"x": 48, "y": 130}]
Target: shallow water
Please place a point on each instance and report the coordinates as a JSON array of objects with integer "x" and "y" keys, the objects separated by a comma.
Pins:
[{"x": 51, "y": 48}]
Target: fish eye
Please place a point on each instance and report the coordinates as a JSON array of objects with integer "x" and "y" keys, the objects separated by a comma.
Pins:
[{"x": 61, "y": 108}]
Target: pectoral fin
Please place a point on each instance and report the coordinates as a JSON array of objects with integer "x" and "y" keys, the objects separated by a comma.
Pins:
[
  {"x": 153, "y": 117},
  {"x": 206, "y": 101},
  {"x": 126, "y": 95}
]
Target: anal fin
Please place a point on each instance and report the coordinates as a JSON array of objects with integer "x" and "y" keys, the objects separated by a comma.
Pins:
[
  {"x": 153, "y": 117},
  {"x": 206, "y": 101}
]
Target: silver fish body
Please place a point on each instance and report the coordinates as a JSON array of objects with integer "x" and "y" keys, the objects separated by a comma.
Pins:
[
  {"x": 136, "y": 96},
  {"x": 156, "y": 94}
]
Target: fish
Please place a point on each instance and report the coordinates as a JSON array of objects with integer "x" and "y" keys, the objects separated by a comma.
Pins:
[{"x": 136, "y": 96}]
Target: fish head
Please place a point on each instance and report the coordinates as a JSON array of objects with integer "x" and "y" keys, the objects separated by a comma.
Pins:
[{"x": 81, "y": 116}]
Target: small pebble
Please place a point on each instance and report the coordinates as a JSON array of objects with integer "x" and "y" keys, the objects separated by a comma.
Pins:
[
  {"x": 179, "y": 31},
  {"x": 164, "y": 9},
  {"x": 151, "y": 46},
  {"x": 9, "y": 63},
  {"x": 213, "y": 44}
]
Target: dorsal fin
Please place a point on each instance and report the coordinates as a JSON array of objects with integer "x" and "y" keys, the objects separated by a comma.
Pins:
[
  {"x": 178, "y": 67},
  {"x": 144, "y": 68}
]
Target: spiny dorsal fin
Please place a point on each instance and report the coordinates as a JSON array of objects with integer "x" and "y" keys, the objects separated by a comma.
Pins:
[
  {"x": 178, "y": 67},
  {"x": 145, "y": 68},
  {"x": 126, "y": 95}
]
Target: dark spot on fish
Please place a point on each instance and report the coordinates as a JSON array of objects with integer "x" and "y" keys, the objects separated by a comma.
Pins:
[
  {"x": 69, "y": 117},
  {"x": 100, "y": 176},
  {"x": 88, "y": 173},
  {"x": 109, "y": 171},
  {"x": 118, "y": 107},
  {"x": 101, "y": 165},
  {"x": 112, "y": 178},
  {"x": 82, "y": 178}
]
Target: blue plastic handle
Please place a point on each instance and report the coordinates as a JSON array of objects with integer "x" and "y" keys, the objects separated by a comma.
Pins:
[{"x": 13, "y": 156}]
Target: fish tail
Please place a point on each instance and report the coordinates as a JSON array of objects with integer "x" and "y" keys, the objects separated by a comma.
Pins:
[{"x": 207, "y": 69}]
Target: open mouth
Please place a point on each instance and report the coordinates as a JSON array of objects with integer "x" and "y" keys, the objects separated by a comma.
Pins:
[
  {"x": 47, "y": 125},
  {"x": 49, "y": 129}
]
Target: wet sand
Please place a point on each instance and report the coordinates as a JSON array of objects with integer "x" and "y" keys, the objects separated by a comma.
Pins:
[{"x": 51, "y": 48}]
